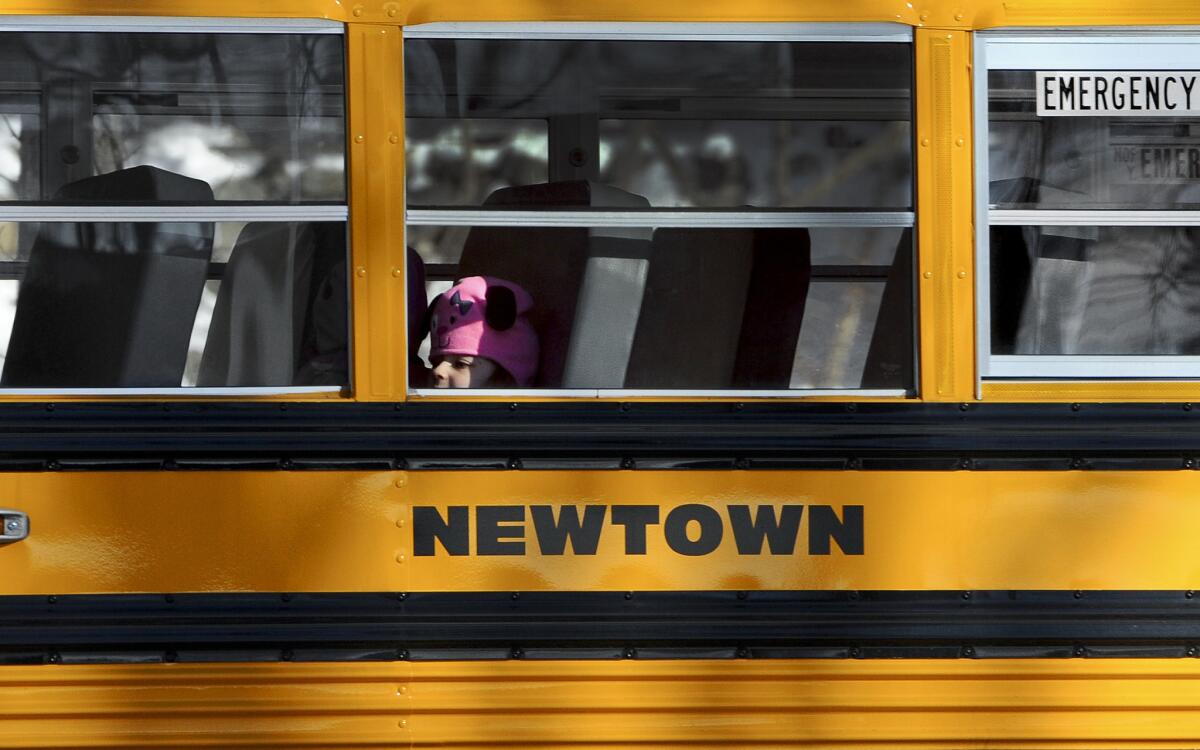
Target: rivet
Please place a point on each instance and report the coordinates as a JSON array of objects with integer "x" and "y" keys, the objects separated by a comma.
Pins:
[
  {"x": 948, "y": 37},
  {"x": 924, "y": 141},
  {"x": 924, "y": 16},
  {"x": 392, "y": 12},
  {"x": 958, "y": 16},
  {"x": 361, "y": 272},
  {"x": 393, "y": 138},
  {"x": 928, "y": 274},
  {"x": 403, "y": 723},
  {"x": 401, "y": 690},
  {"x": 359, "y": 138},
  {"x": 960, "y": 142},
  {"x": 962, "y": 274},
  {"x": 358, "y": 11},
  {"x": 397, "y": 273},
  {"x": 400, "y": 559},
  {"x": 400, "y": 523},
  {"x": 401, "y": 482}
]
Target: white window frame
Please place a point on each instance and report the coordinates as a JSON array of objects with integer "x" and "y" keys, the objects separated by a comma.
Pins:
[
  {"x": 1148, "y": 48},
  {"x": 721, "y": 32},
  {"x": 206, "y": 213}
]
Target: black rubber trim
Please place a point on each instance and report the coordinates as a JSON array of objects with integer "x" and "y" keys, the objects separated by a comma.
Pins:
[
  {"x": 597, "y": 625},
  {"x": 598, "y": 436}
]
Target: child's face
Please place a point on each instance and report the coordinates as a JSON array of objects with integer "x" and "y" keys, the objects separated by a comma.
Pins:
[{"x": 462, "y": 371}]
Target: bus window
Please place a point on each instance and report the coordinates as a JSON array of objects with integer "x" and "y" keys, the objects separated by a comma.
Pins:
[
  {"x": 171, "y": 217},
  {"x": 689, "y": 214},
  {"x": 1089, "y": 187}
]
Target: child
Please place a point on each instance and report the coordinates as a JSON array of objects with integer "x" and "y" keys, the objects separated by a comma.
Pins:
[{"x": 480, "y": 337}]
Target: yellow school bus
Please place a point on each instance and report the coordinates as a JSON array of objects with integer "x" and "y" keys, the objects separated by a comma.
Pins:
[{"x": 827, "y": 373}]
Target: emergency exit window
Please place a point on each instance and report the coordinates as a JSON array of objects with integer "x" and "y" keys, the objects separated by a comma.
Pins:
[
  {"x": 1089, "y": 200},
  {"x": 668, "y": 208},
  {"x": 172, "y": 217}
]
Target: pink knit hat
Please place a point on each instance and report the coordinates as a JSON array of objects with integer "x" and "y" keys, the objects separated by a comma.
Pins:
[{"x": 481, "y": 316}]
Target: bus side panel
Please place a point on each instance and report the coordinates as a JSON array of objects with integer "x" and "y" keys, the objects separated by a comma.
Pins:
[
  {"x": 771, "y": 704},
  {"x": 691, "y": 530}
]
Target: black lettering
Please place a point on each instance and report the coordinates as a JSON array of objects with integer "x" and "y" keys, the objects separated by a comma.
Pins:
[
  {"x": 1066, "y": 93},
  {"x": 1162, "y": 162},
  {"x": 780, "y": 533},
  {"x": 1146, "y": 164},
  {"x": 1101, "y": 93},
  {"x": 491, "y": 538},
  {"x": 711, "y": 529},
  {"x": 635, "y": 519},
  {"x": 454, "y": 532},
  {"x": 823, "y": 525},
  {"x": 1188, "y": 84},
  {"x": 1168, "y": 101},
  {"x": 1193, "y": 163},
  {"x": 1180, "y": 162},
  {"x": 1152, "y": 93},
  {"x": 552, "y": 535},
  {"x": 1048, "y": 92},
  {"x": 1084, "y": 102},
  {"x": 1134, "y": 93},
  {"x": 1118, "y": 101}
]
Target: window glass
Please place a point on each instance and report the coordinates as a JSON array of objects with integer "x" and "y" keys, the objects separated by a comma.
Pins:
[
  {"x": 165, "y": 305},
  {"x": 73, "y": 105},
  {"x": 682, "y": 124},
  {"x": 703, "y": 215},
  {"x": 1079, "y": 284},
  {"x": 1095, "y": 290},
  {"x": 680, "y": 308},
  {"x": 1086, "y": 161}
]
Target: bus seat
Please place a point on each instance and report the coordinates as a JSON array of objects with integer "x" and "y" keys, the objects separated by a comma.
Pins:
[
  {"x": 278, "y": 278},
  {"x": 111, "y": 305},
  {"x": 691, "y": 314},
  {"x": 580, "y": 278},
  {"x": 890, "y": 361},
  {"x": 774, "y": 310}
]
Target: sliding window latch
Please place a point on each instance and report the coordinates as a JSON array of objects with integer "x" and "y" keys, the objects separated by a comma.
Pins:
[{"x": 14, "y": 526}]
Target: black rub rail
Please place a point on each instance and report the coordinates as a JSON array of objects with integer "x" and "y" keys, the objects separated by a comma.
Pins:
[
  {"x": 598, "y": 435},
  {"x": 598, "y": 625}
]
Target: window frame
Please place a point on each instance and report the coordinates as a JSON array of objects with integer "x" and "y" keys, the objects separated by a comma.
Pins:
[
  {"x": 679, "y": 218},
  {"x": 18, "y": 212},
  {"x": 1155, "y": 48}
]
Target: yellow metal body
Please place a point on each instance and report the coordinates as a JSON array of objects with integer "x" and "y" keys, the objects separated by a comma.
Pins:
[
  {"x": 318, "y": 531},
  {"x": 912, "y": 704}
]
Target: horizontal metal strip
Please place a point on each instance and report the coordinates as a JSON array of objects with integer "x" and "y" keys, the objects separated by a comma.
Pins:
[
  {"x": 170, "y": 24},
  {"x": 1055, "y": 217},
  {"x": 206, "y": 212},
  {"x": 1093, "y": 366},
  {"x": 266, "y": 390},
  {"x": 607, "y": 625},
  {"x": 824, "y": 272},
  {"x": 682, "y": 219},
  {"x": 649, "y": 435},
  {"x": 492, "y": 393},
  {"x": 723, "y": 32}
]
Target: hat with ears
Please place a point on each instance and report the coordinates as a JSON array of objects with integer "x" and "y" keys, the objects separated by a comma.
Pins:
[{"x": 482, "y": 316}]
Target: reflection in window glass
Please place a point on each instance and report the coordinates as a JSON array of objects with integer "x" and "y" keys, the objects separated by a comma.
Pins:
[
  {"x": 690, "y": 124},
  {"x": 163, "y": 305},
  {"x": 449, "y": 162},
  {"x": 1086, "y": 162},
  {"x": 730, "y": 164},
  {"x": 185, "y": 103},
  {"x": 1095, "y": 290},
  {"x": 676, "y": 308}
]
